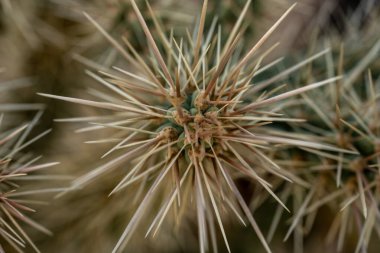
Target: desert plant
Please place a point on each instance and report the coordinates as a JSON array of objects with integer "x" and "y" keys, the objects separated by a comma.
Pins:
[
  {"x": 188, "y": 121},
  {"x": 345, "y": 116},
  {"x": 18, "y": 186}
]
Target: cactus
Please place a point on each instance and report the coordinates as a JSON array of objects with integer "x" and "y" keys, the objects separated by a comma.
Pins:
[
  {"x": 189, "y": 120},
  {"x": 17, "y": 167}
]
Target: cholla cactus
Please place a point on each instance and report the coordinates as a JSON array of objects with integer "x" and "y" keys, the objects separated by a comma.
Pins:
[
  {"x": 346, "y": 116},
  {"x": 189, "y": 121},
  {"x": 347, "y": 184},
  {"x": 15, "y": 168}
]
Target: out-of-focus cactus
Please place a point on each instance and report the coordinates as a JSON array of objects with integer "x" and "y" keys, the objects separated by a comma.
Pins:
[{"x": 19, "y": 181}]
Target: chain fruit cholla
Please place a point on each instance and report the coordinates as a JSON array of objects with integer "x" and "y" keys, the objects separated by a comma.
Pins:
[{"x": 193, "y": 122}]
